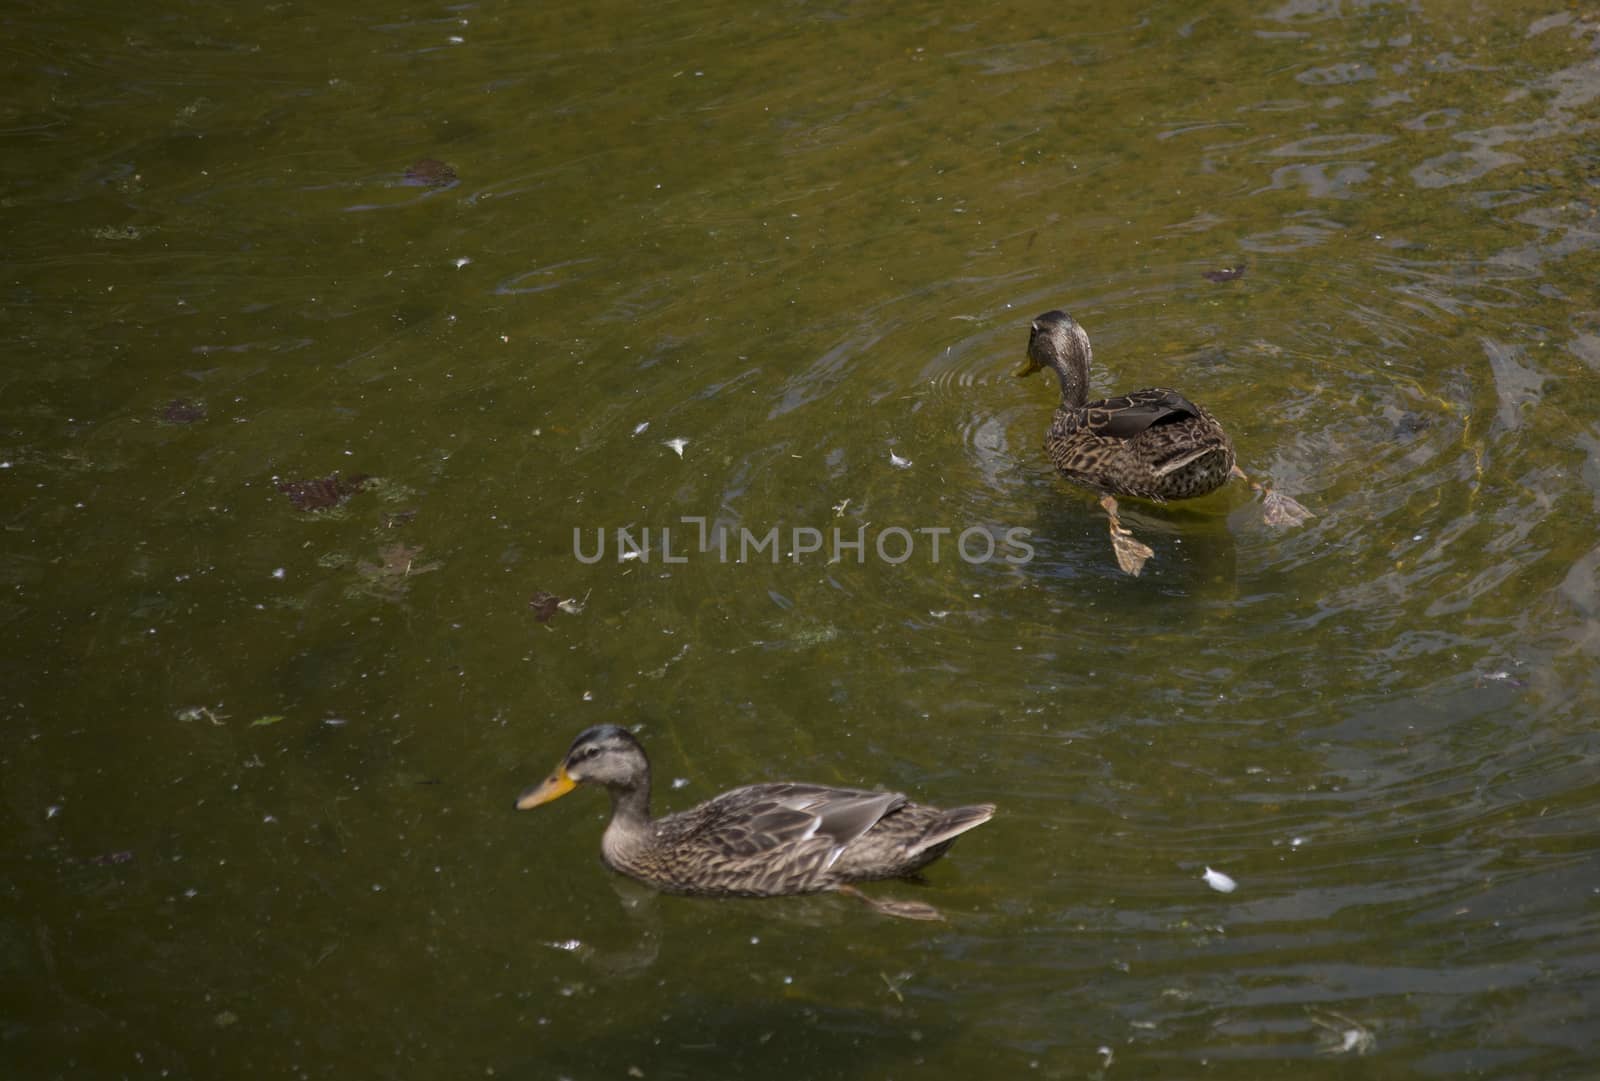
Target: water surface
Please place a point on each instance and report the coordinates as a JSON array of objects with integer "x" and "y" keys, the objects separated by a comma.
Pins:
[{"x": 259, "y": 760}]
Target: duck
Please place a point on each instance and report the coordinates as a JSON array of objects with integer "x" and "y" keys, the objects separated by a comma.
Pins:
[
  {"x": 1153, "y": 444},
  {"x": 762, "y": 840}
]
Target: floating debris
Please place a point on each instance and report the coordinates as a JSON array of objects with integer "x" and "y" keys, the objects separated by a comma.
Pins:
[
  {"x": 400, "y": 560},
  {"x": 197, "y": 713},
  {"x": 1219, "y": 881},
  {"x": 429, "y": 173},
  {"x": 839, "y": 508},
  {"x": 1345, "y": 1035},
  {"x": 899, "y": 462},
  {"x": 117, "y": 232},
  {"x": 391, "y": 579},
  {"x": 659, "y": 672},
  {"x": 111, "y": 859},
  {"x": 677, "y": 445},
  {"x": 270, "y": 718},
  {"x": 322, "y": 492},
  {"x": 642, "y": 427},
  {"x": 1411, "y": 424},
  {"x": 544, "y": 606},
  {"x": 1226, "y": 274},
  {"x": 182, "y": 411}
]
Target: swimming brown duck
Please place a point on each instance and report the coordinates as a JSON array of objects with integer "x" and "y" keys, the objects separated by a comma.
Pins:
[
  {"x": 1153, "y": 444},
  {"x": 764, "y": 840}
]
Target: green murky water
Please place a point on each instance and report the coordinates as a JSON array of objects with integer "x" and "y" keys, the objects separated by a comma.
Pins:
[{"x": 258, "y": 762}]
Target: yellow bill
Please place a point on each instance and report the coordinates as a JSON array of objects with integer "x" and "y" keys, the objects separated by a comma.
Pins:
[
  {"x": 553, "y": 787},
  {"x": 1029, "y": 366}
]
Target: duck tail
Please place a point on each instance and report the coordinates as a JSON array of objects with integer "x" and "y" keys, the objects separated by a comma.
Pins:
[
  {"x": 954, "y": 822},
  {"x": 1186, "y": 458}
]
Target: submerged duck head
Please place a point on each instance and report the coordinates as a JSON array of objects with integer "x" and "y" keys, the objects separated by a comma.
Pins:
[{"x": 606, "y": 755}]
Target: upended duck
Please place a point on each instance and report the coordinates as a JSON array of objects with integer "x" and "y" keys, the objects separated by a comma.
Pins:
[
  {"x": 1152, "y": 444},
  {"x": 764, "y": 840}
]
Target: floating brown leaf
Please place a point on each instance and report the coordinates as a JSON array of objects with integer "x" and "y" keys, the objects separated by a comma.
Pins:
[
  {"x": 430, "y": 173},
  {"x": 323, "y": 492},
  {"x": 399, "y": 561},
  {"x": 390, "y": 579},
  {"x": 544, "y": 605},
  {"x": 182, "y": 411}
]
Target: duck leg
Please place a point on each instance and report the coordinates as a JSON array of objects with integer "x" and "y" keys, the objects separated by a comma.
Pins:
[
  {"x": 1130, "y": 551},
  {"x": 1276, "y": 508},
  {"x": 905, "y": 910}
]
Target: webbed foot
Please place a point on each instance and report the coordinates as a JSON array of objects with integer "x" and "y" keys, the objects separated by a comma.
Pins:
[
  {"x": 1277, "y": 509},
  {"x": 1282, "y": 510},
  {"x": 905, "y": 910},
  {"x": 1131, "y": 552}
]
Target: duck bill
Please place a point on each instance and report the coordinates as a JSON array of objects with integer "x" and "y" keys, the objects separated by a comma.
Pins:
[
  {"x": 1029, "y": 366},
  {"x": 553, "y": 787}
]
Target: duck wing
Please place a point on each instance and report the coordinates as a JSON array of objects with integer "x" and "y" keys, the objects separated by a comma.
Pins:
[
  {"x": 1131, "y": 414},
  {"x": 761, "y": 819}
]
